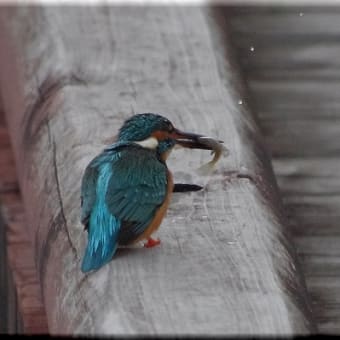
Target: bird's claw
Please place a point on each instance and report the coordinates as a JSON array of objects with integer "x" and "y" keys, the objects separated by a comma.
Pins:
[{"x": 152, "y": 242}]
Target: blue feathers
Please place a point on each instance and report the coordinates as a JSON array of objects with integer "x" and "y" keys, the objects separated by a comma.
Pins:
[
  {"x": 125, "y": 188},
  {"x": 140, "y": 126},
  {"x": 102, "y": 241},
  {"x": 103, "y": 227},
  {"x": 122, "y": 188}
]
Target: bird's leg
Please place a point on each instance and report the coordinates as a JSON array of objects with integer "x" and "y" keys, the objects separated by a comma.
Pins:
[
  {"x": 152, "y": 242},
  {"x": 182, "y": 187}
]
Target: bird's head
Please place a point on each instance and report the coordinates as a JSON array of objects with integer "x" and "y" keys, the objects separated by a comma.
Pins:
[{"x": 154, "y": 131}]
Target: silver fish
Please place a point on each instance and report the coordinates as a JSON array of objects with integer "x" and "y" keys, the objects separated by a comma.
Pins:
[{"x": 217, "y": 149}]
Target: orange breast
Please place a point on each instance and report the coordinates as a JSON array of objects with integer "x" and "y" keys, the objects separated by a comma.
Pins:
[{"x": 155, "y": 223}]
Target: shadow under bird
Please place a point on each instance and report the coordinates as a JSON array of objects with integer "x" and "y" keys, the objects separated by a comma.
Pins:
[{"x": 126, "y": 189}]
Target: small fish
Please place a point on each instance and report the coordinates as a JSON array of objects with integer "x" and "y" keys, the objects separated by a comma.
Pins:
[{"x": 217, "y": 149}]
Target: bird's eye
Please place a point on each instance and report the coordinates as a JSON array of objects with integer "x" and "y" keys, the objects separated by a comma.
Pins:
[{"x": 170, "y": 127}]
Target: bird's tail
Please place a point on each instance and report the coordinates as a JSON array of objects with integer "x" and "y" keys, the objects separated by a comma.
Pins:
[{"x": 103, "y": 231}]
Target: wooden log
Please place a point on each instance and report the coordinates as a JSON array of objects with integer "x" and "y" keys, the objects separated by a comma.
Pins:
[{"x": 226, "y": 264}]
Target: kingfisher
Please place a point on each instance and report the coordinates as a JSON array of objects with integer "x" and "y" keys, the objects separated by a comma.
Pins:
[{"x": 126, "y": 189}]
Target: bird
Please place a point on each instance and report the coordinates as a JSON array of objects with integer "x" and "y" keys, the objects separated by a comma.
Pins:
[{"x": 126, "y": 189}]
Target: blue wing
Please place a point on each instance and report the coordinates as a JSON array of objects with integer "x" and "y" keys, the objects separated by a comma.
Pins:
[
  {"x": 121, "y": 191},
  {"x": 101, "y": 225},
  {"x": 136, "y": 191}
]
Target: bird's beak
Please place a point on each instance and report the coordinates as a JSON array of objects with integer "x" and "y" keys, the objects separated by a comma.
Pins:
[{"x": 190, "y": 140}]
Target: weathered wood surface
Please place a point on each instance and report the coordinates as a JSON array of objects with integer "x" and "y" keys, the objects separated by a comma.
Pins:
[
  {"x": 226, "y": 264},
  {"x": 19, "y": 248},
  {"x": 293, "y": 77}
]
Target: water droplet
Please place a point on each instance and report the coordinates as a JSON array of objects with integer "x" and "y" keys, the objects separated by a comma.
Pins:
[
  {"x": 240, "y": 102},
  {"x": 252, "y": 48}
]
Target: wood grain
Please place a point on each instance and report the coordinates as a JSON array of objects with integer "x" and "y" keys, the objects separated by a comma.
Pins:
[
  {"x": 293, "y": 78},
  {"x": 226, "y": 264},
  {"x": 19, "y": 246}
]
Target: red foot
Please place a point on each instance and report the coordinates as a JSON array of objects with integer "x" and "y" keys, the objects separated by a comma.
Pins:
[{"x": 152, "y": 243}]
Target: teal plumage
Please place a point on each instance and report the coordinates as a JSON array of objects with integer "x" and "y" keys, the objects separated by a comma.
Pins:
[
  {"x": 125, "y": 190},
  {"x": 121, "y": 191}
]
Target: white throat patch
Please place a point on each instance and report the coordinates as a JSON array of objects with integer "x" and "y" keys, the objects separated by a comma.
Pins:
[{"x": 149, "y": 143}]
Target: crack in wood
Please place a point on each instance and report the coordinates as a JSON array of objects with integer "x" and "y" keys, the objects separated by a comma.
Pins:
[
  {"x": 43, "y": 254},
  {"x": 38, "y": 113},
  {"x": 268, "y": 189},
  {"x": 65, "y": 224},
  {"x": 59, "y": 223}
]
